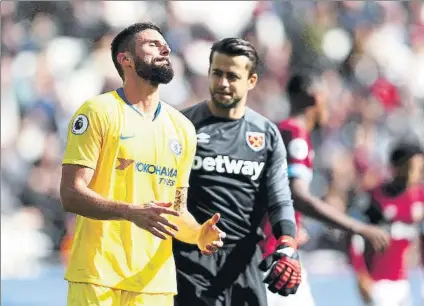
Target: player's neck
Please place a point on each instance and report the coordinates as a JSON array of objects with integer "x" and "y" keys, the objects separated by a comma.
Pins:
[
  {"x": 142, "y": 95},
  {"x": 234, "y": 113}
]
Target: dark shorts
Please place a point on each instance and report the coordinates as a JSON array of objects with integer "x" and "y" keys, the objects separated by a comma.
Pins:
[{"x": 229, "y": 277}]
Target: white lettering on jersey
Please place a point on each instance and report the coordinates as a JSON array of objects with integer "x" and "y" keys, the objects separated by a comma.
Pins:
[
  {"x": 223, "y": 164},
  {"x": 298, "y": 149}
]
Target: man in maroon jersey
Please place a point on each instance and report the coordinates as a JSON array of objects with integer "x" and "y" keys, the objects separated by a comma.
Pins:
[
  {"x": 307, "y": 111},
  {"x": 398, "y": 206}
]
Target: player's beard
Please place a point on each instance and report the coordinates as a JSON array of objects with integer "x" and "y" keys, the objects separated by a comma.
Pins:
[
  {"x": 155, "y": 74},
  {"x": 224, "y": 105}
]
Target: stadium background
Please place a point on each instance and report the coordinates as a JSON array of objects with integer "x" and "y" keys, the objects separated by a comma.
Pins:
[{"x": 369, "y": 59}]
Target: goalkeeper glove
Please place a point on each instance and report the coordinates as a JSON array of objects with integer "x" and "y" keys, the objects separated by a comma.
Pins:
[{"x": 283, "y": 272}]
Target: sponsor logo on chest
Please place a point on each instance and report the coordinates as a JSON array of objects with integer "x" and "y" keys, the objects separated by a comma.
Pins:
[
  {"x": 224, "y": 164},
  {"x": 165, "y": 175}
]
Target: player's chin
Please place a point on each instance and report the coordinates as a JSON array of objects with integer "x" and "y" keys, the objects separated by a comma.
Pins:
[
  {"x": 223, "y": 98},
  {"x": 224, "y": 101}
]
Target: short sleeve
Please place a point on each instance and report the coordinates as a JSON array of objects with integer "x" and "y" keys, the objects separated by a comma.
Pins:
[
  {"x": 85, "y": 136},
  {"x": 298, "y": 151},
  {"x": 187, "y": 159}
]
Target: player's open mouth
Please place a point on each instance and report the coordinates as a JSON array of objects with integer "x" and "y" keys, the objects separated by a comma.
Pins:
[{"x": 162, "y": 61}]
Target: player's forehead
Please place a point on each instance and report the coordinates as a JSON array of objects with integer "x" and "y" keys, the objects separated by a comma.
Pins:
[
  {"x": 226, "y": 63},
  {"x": 150, "y": 35}
]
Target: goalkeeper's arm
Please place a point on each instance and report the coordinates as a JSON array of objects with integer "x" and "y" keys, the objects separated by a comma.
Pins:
[{"x": 282, "y": 268}]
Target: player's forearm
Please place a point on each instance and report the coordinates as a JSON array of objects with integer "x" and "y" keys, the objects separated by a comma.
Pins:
[
  {"x": 85, "y": 202},
  {"x": 189, "y": 228},
  {"x": 281, "y": 216},
  {"x": 315, "y": 208},
  {"x": 280, "y": 204}
]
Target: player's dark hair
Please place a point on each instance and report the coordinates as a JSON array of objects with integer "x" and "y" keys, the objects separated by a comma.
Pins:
[
  {"x": 236, "y": 47},
  {"x": 298, "y": 91},
  {"x": 403, "y": 152},
  {"x": 125, "y": 41}
]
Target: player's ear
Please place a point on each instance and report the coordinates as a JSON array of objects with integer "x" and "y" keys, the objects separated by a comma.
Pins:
[
  {"x": 124, "y": 59},
  {"x": 253, "y": 79}
]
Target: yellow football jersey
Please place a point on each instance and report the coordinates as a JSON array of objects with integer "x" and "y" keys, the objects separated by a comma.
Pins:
[{"x": 135, "y": 161}]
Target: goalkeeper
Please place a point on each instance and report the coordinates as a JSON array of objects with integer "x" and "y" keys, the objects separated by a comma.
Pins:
[{"x": 240, "y": 171}]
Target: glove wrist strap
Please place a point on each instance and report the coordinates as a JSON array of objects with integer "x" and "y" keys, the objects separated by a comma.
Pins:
[{"x": 288, "y": 241}]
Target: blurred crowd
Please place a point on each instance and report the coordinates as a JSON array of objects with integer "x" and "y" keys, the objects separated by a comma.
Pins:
[{"x": 368, "y": 58}]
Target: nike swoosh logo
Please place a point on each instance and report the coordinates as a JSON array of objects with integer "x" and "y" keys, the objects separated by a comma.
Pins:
[{"x": 126, "y": 137}]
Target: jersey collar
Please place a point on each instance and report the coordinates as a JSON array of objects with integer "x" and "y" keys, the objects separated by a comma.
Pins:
[{"x": 121, "y": 94}]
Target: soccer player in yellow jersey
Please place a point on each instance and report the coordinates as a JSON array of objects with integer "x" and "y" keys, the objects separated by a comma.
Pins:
[{"x": 125, "y": 174}]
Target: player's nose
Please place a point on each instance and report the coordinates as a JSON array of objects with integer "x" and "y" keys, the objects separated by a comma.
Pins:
[
  {"x": 223, "y": 83},
  {"x": 165, "y": 50}
]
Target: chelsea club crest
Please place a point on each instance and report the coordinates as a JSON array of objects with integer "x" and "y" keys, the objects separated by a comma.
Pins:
[{"x": 175, "y": 147}]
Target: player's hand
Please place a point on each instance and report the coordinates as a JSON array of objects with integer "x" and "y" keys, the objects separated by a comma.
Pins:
[
  {"x": 149, "y": 217},
  {"x": 377, "y": 237},
  {"x": 210, "y": 236},
  {"x": 283, "y": 272}
]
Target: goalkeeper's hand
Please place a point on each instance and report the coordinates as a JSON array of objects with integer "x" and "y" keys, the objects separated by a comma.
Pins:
[{"x": 283, "y": 272}]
